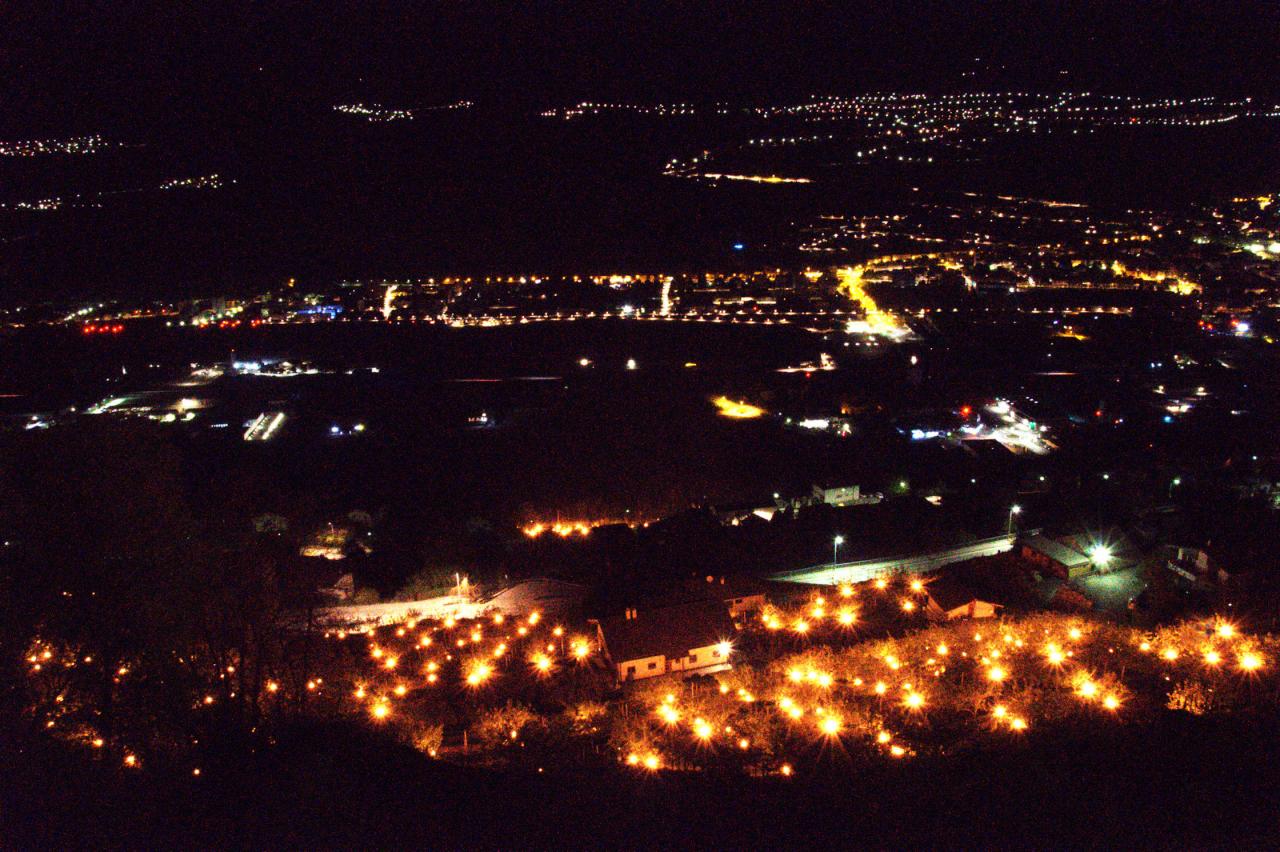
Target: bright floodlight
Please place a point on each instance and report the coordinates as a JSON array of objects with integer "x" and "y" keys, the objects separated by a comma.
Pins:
[
  {"x": 838, "y": 540},
  {"x": 1100, "y": 555},
  {"x": 1015, "y": 510}
]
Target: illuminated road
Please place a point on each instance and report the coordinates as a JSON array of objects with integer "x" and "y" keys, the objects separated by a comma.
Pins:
[
  {"x": 829, "y": 574},
  {"x": 875, "y": 321}
]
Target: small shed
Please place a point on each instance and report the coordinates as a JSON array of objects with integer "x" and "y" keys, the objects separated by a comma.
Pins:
[
  {"x": 950, "y": 599},
  {"x": 1056, "y": 557}
]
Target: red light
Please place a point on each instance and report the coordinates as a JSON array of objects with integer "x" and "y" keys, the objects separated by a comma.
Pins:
[
  {"x": 1097, "y": 412},
  {"x": 965, "y": 411}
]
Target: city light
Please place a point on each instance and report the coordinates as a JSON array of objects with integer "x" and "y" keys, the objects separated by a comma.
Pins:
[{"x": 737, "y": 410}]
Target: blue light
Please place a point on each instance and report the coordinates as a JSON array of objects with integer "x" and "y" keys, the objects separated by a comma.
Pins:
[
  {"x": 1168, "y": 418},
  {"x": 739, "y": 246}
]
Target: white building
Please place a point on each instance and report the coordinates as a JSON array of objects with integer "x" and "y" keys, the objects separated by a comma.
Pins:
[{"x": 692, "y": 637}]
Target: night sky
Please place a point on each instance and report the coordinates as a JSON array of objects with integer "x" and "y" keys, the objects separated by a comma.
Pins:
[
  {"x": 68, "y": 61},
  {"x": 247, "y": 90}
]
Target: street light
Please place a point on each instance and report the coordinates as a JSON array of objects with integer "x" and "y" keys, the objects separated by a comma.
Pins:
[
  {"x": 835, "y": 548},
  {"x": 1100, "y": 555},
  {"x": 1015, "y": 509}
]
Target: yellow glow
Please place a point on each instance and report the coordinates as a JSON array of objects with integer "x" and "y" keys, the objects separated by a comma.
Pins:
[
  {"x": 564, "y": 529},
  {"x": 913, "y": 701},
  {"x": 380, "y": 710},
  {"x": 996, "y": 674},
  {"x": 479, "y": 673},
  {"x": 1175, "y": 282},
  {"x": 755, "y": 178},
  {"x": 736, "y": 410},
  {"x": 830, "y": 725},
  {"x": 1249, "y": 661},
  {"x": 875, "y": 320}
]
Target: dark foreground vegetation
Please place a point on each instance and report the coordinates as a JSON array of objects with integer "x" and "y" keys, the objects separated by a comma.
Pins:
[{"x": 1185, "y": 782}]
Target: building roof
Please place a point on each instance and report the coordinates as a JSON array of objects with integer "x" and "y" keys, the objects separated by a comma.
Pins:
[
  {"x": 669, "y": 631},
  {"x": 835, "y": 484},
  {"x": 545, "y": 594},
  {"x": 949, "y": 593},
  {"x": 1056, "y": 550}
]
